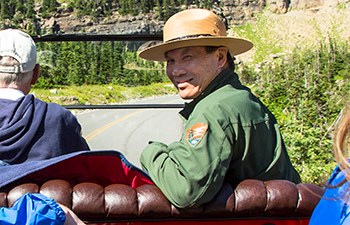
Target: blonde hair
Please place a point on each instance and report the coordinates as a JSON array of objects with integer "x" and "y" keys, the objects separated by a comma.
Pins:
[{"x": 341, "y": 141}]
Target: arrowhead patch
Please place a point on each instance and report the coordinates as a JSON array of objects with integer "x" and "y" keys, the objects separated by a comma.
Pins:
[{"x": 195, "y": 134}]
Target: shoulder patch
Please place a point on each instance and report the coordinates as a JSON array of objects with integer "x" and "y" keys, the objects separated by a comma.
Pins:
[{"x": 195, "y": 134}]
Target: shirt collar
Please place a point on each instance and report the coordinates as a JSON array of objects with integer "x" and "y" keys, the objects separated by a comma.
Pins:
[
  {"x": 10, "y": 94},
  {"x": 227, "y": 76}
]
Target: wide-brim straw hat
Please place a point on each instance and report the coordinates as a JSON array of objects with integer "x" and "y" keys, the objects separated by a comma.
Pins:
[{"x": 194, "y": 27}]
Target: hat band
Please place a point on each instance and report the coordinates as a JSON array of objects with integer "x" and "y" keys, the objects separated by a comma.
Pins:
[
  {"x": 188, "y": 37},
  {"x": 10, "y": 69}
]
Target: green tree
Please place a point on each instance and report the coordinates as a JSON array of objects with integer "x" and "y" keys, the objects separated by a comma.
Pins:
[
  {"x": 306, "y": 92},
  {"x": 146, "y": 6},
  {"x": 80, "y": 7},
  {"x": 48, "y": 7},
  {"x": 12, "y": 7},
  {"x": 77, "y": 67},
  {"x": 29, "y": 9},
  {"x": 159, "y": 9},
  {"x": 53, "y": 4},
  {"x": 45, "y": 8},
  {"x": 5, "y": 12}
]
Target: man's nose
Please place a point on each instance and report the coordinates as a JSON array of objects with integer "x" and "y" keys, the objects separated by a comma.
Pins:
[{"x": 177, "y": 71}]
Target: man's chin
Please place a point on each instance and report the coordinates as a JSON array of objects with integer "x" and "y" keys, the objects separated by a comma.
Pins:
[{"x": 186, "y": 96}]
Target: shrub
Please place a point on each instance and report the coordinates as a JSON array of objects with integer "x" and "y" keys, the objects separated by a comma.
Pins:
[{"x": 306, "y": 91}]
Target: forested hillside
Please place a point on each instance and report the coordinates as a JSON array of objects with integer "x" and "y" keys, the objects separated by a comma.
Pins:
[{"x": 31, "y": 15}]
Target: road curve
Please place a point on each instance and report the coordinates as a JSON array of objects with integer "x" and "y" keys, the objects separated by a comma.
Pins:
[{"x": 130, "y": 130}]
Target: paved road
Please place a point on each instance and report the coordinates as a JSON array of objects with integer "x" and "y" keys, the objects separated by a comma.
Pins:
[{"x": 130, "y": 130}]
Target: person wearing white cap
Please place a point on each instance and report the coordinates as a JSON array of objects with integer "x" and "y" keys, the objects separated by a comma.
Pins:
[
  {"x": 31, "y": 130},
  {"x": 229, "y": 134}
]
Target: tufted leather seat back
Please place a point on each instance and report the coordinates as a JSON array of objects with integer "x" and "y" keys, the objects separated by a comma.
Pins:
[{"x": 93, "y": 202}]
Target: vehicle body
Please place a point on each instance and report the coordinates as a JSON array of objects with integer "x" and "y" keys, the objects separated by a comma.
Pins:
[{"x": 252, "y": 202}]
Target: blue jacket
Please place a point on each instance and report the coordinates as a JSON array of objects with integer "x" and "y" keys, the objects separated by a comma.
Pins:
[
  {"x": 32, "y": 130},
  {"x": 333, "y": 208},
  {"x": 33, "y": 209}
]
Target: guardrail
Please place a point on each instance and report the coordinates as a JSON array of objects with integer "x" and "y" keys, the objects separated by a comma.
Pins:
[{"x": 126, "y": 106}]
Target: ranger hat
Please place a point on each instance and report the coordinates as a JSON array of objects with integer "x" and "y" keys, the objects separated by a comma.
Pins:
[
  {"x": 19, "y": 45},
  {"x": 194, "y": 27}
]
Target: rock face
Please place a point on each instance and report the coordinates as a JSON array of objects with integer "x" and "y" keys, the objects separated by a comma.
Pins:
[
  {"x": 279, "y": 6},
  {"x": 236, "y": 12},
  {"x": 115, "y": 24},
  {"x": 283, "y": 6},
  {"x": 306, "y": 4},
  {"x": 241, "y": 10}
]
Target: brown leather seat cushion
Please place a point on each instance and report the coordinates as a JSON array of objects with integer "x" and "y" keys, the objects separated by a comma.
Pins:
[{"x": 93, "y": 202}]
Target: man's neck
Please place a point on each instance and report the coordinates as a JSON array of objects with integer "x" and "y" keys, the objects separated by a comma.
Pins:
[{"x": 10, "y": 93}]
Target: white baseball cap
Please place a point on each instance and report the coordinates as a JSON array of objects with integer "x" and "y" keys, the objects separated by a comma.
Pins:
[{"x": 19, "y": 45}]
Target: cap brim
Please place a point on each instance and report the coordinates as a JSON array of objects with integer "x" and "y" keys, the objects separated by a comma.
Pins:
[{"x": 157, "y": 52}]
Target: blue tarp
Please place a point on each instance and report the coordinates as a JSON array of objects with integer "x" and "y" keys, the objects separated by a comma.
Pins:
[{"x": 33, "y": 209}]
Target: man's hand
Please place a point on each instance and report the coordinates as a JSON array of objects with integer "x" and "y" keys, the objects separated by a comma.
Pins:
[{"x": 71, "y": 217}]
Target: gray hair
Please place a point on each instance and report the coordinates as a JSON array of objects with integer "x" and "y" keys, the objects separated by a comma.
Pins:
[{"x": 7, "y": 79}]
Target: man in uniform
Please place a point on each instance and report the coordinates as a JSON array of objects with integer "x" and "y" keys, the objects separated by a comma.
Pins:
[{"x": 229, "y": 134}]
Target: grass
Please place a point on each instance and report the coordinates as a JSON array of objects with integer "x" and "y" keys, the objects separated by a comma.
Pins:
[
  {"x": 100, "y": 94},
  {"x": 260, "y": 35}
]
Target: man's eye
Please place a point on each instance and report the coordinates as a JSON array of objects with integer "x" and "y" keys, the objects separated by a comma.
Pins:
[{"x": 187, "y": 57}]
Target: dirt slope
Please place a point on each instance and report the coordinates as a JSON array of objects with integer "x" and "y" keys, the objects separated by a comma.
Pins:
[{"x": 305, "y": 28}]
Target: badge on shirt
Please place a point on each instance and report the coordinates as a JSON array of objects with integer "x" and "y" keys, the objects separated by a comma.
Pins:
[{"x": 195, "y": 134}]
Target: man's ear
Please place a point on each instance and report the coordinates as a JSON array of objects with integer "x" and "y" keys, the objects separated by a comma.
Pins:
[
  {"x": 222, "y": 56},
  {"x": 36, "y": 74}
]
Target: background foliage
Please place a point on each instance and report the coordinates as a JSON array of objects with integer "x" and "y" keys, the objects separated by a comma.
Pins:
[
  {"x": 306, "y": 92},
  {"x": 78, "y": 63}
]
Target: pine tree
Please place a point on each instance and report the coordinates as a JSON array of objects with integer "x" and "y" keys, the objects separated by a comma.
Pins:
[
  {"x": 78, "y": 67},
  {"x": 146, "y": 6},
  {"x": 166, "y": 9},
  {"x": 45, "y": 4},
  {"x": 29, "y": 9},
  {"x": 52, "y": 6},
  {"x": 117, "y": 60},
  {"x": 95, "y": 64},
  {"x": 107, "y": 7},
  {"x": 132, "y": 9},
  {"x": 78, "y": 6},
  {"x": 20, "y": 7},
  {"x": 12, "y": 7},
  {"x": 159, "y": 10},
  {"x": 4, "y": 14}
]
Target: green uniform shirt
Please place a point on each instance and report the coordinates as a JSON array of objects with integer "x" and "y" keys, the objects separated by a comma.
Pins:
[{"x": 229, "y": 136}]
